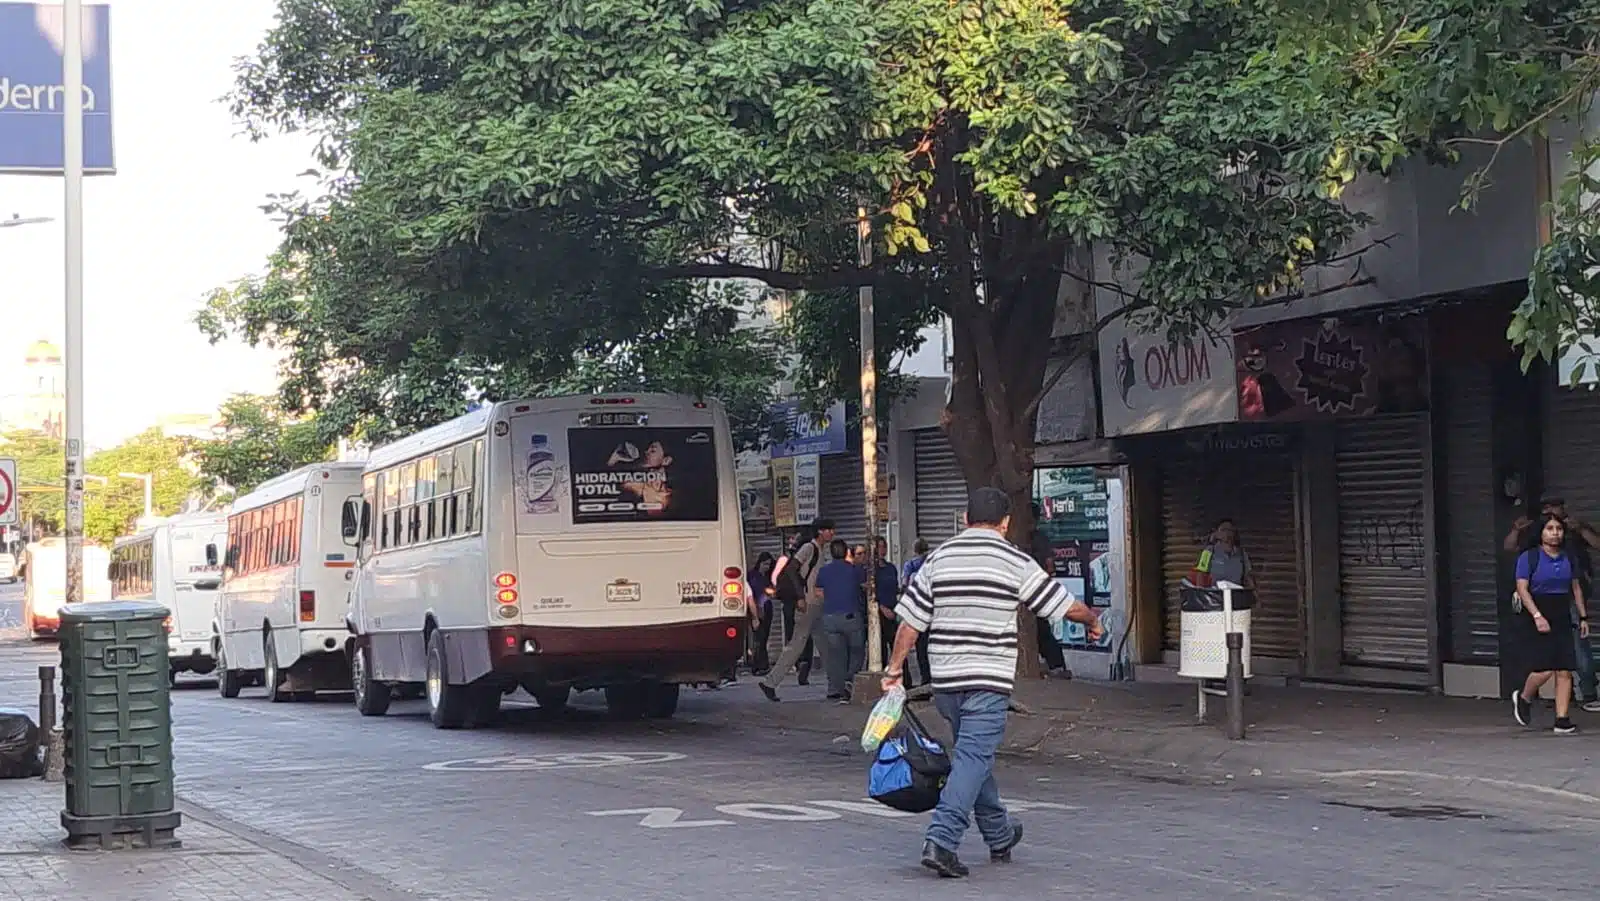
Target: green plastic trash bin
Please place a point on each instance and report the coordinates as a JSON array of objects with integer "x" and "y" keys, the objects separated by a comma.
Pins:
[{"x": 117, "y": 726}]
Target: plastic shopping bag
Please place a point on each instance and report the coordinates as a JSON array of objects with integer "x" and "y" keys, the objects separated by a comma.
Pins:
[{"x": 884, "y": 717}]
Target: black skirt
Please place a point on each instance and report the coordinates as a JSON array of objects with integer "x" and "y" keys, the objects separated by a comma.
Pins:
[{"x": 1539, "y": 652}]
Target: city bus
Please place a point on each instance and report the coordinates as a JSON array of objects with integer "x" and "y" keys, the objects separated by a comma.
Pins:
[
  {"x": 176, "y": 563},
  {"x": 558, "y": 544},
  {"x": 280, "y": 617},
  {"x": 44, "y": 582}
]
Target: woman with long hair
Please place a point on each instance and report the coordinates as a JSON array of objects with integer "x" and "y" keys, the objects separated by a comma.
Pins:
[
  {"x": 761, "y": 594},
  {"x": 1548, "y": 592}
]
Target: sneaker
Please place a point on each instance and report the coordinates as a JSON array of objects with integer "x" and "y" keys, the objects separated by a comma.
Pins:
[
  {"x": 835, "y": 695},
  {"x": 769, "y": 691},
  {"x": 1521, "y": 708},
  {"x": 1592, "y": 706},
  {"x": 943, "y": 861},
  {"x": 1002, "y": 854},
  {"x": 1564, "y": 727}
]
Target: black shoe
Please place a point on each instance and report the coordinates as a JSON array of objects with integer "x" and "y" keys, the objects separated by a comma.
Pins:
[
  {"x": 802, "y": 674},
  {"x": 1002, "y": 854},
  {"x": 1521, "y": 708},
  {"x": 835, "y": 696},
  {"x": 1564, "y": 727},
  {"x": 942, "y": 861},
  {"x": 769, "y": 691}
]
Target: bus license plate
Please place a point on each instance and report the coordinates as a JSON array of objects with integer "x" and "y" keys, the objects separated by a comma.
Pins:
[{"x": 624, "y": 593}]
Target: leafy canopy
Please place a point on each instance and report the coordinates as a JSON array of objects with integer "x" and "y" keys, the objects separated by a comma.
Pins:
[
  {"x": 112, "y": 504},
  {"x": 258, "y": 442}
]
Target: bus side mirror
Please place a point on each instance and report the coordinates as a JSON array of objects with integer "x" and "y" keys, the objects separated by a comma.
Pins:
[
  {"x": 350, "y": 521},
  {"x": 211, "y": 554}
]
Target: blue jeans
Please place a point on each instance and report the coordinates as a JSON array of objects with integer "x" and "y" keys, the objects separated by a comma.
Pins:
[
  {"x": 844, "y": 650},
  {"x": 1584, "y": 681},
  {"x": 978, "y": 719}
]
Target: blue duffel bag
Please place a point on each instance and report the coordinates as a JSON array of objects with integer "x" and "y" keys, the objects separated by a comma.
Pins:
[{"x": 910, "y": 768}]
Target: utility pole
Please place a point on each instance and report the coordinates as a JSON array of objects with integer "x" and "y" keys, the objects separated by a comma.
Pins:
[
  {"x": 869, "y": 445},
  {"x": 72, "y": 177}
]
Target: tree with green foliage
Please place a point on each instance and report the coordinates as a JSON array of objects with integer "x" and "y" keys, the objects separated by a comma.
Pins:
[
  {"x": 258, "y": 442},
  {"x": 41, "y": 471},
  {"x": 114, "y": 504}
]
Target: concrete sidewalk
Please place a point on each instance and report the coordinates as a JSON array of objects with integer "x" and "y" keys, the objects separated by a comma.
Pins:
[
  {"x": 1444, "y": 750},
  {"x": 214, "y": 864}
]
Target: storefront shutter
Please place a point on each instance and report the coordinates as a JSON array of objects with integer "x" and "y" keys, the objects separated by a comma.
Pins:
[
  {"x": 941, "y": 490},
  {"x": 1257, "y": 491},
  {"x": 1472, "y": 545},
  {"x": 1382, "y": 471},
  {"x": 843, "y": 499}
]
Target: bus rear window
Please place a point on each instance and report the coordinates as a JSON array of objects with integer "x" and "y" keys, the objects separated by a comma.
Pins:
[{"x": 643, "y": 474}]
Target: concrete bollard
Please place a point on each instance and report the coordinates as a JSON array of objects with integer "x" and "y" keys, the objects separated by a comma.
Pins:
[
  {"x": 55, "y": 758},
  {"x": 1235, "y": 685}
]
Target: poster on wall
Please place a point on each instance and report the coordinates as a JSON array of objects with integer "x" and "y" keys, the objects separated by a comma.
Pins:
[
  {"x": 807, "y": 488},
  {"x": 755, "y": 497},
  {"x": 1075, "y": 514},
  {"x": 1072, "y": 502},
  {"x": 783, "y": 493},
  {"x": 1320, "y": 368},
  {"x": 643, "y": 474}
]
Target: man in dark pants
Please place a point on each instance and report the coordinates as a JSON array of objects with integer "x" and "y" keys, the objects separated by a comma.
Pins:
[
  {"x": 907, "y": 573},
  {"x": 887, "y": 593},
  {"x": 1044, "y": 554}
]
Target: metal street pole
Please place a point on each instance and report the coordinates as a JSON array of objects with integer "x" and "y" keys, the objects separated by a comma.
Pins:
[
  {"x": 72, "y": 176},
  {"x": 869, "y": 445},
  {"x": 149, "y": 483}
]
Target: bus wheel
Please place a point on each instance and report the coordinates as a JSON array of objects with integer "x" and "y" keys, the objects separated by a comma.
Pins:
[
  {"x": 661, "y": 700},
  {"x": 372, "y": 698},
  {"x": 627, "y": 702},
  {"x": 271, "y": 676},
  {"x": 447, "y": 704},
  {"x": 553, "y": 698},
  {"x": 229, "y": 681}
]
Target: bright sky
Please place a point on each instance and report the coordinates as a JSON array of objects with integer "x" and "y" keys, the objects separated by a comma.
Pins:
[{"x": 180, "y": 217}]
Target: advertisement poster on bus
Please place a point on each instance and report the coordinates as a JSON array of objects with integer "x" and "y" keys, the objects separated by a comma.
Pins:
[{"x": 643, "y": 474}]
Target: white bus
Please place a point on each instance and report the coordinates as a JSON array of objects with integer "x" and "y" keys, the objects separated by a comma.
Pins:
[
  {"x": 44, "y": 582},
  {"x": 176, "y": 564},
  {"x": 286, "y": 584},
  {"x": 552, "y": 544}
]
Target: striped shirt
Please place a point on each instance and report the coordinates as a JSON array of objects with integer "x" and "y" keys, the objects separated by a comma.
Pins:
[{"x": 965, "y": 598}]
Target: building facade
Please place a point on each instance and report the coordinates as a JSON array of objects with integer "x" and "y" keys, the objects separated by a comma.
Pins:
[{"x": 37, "y": 400}]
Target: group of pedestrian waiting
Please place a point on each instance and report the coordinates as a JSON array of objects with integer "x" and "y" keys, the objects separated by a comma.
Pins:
[{"x": 1550, "y": 627}]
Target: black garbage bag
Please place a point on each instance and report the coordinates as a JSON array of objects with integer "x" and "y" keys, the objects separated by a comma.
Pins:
[
  {"x": 19, "y": 745},
  {"x": 1193, "y": 599}
]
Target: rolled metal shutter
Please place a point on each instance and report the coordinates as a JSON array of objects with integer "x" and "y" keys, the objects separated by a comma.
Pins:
[
  {"x": 843, "y": 499},
  {"x": 1257, "y": 491},
  {"x": 1382, "y": 468},
  {"x": 1571, "y": 461},
  {"x": 941, "y": 489},
  {"x": 1472, "y": 542}
]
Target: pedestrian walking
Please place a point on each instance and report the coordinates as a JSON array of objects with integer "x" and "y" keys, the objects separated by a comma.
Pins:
[
  {"x": 1549, "y": 592},
  {"x": 844, "y": 625},
  {"x": 908, "y": 572},
  {"x": 761, "y": 595},
  {"x": 886, "y": 593},
  {"x": 1580, "y": 539},
  {"x": 965, "y": 598},
  {"x": 796, "y": 577}
]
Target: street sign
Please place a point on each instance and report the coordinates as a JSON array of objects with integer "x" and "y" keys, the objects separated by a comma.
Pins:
[
  {"x": 8, "y": 491},
  {"x": 31, "y": 104}
]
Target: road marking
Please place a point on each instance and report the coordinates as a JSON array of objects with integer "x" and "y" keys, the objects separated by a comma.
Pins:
[
  {"x": 659, "y": 818},
  {"x": 800, "y": 812},
  {"x": 783, "y": 813},
  {"x": 1564, "y": 794},
  {"x": 539, "y": 762}
]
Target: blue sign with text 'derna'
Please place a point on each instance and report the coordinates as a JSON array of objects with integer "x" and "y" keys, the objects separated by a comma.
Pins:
[{"x": 32, "y": 96}]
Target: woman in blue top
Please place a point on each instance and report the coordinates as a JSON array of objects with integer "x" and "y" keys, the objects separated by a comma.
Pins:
[
  {"x": 761, "y": 593},
  {"x": 1543, "y": 637}
]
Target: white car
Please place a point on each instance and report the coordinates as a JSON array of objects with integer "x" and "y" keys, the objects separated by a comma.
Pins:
[{"x": 8, "y": 568}]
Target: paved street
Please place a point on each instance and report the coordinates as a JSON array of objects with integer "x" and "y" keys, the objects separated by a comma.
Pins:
[{"x": 326, "y": 804}]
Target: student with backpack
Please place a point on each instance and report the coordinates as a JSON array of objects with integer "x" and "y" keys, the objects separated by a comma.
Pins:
[
  {"x": 1548, "y": 594},
  {"x": 1580, "y": 539},
  {"x": 796, "y": 581}
]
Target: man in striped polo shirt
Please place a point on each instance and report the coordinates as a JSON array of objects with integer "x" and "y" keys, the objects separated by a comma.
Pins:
[{"x": 965, "y": 597}]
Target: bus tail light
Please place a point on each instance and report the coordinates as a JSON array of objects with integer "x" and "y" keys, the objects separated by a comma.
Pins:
[
  {"x": 505, "y": 580},
  {"x": 167, "y": 624},
  {"x": 732, "y": 572},
  {"x": 506, "y": 596},
  {"x": 308, "y": 606}
]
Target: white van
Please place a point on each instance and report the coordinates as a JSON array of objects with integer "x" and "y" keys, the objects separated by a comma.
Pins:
[
  {"x": 280, "y": 616},
  {"x": 553, "y": 544},
  {"x": 44, "y": 582},
  {"x": 175, "y": 564}
]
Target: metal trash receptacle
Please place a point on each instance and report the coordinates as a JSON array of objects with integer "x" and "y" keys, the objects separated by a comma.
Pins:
[
  {"x": 116, "y": 724},
  {"x": 1203, "y": 647}
]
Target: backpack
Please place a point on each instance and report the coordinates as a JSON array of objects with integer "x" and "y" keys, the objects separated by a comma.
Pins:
[
  {"x": 791, "y": 585},
  {"x": 910, "y": 768}
]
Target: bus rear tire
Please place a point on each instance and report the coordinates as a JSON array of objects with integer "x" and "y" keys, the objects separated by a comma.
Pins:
[
  {"x": 372, "y": 698},
  {"x": 229, "y": 681},
  {"x": 271, "y": 675},
  {"x": 448, "y": 705},
  {"x": 661, "y": 700},
  {"x": 627, "y": 702}
]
